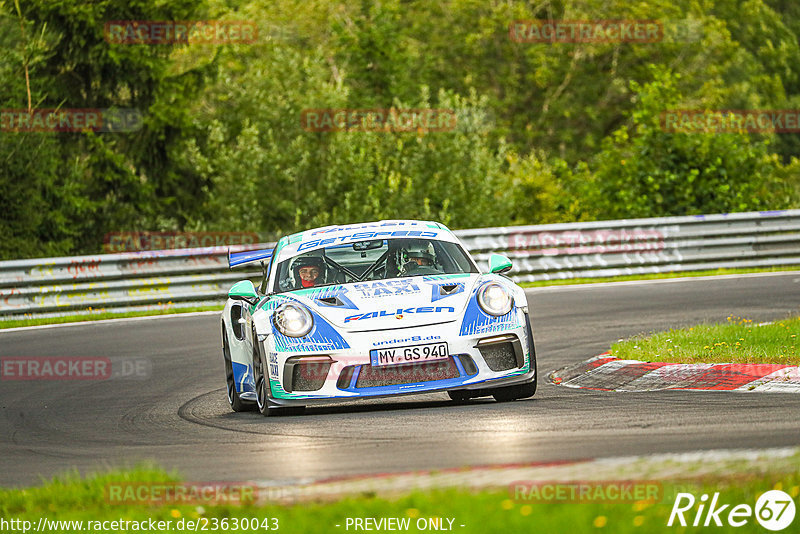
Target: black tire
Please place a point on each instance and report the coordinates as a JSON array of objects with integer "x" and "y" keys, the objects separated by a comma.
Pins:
[
  {"x": 262, "y": 397},
  {"x": 510, "y": 393},
  {"x": 263, "y": 404},
  {"x": 459, "y": 396},
  {"x": 236, "y": 402}
]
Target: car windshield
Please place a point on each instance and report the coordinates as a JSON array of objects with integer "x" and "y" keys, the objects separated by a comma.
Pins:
[{"x": 376, "y": 259}]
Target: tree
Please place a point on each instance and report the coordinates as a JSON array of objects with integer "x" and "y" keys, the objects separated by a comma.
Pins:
[
  {"x": 644, "y": 171},
  {"x": 102, "y": 181}
]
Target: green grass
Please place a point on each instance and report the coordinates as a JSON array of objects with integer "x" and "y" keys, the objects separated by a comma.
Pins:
[
  {"x": 486, "y": 511},
  {"x": 14, "y": 323},
  {"x": 658, "y": 276},
  {"x": 736, "y": 341}
]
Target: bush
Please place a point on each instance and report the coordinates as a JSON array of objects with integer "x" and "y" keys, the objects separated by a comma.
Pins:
[{"x": 643, "y": 171}]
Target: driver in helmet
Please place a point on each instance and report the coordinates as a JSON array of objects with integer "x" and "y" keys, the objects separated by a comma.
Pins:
[
  {"x": 418, "y": 258},
  {"x": 307, "y": 271}
]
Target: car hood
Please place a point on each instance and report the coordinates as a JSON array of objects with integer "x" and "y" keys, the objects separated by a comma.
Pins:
[{"x": 391, "y": 304}]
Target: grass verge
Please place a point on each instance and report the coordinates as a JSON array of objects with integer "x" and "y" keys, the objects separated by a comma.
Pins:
[
  {"x": 658, "y": 276},
  {"x": 72, "y": 498},
  {"x": 14, "y": 323},
  {"x": 736, "y": 341}
]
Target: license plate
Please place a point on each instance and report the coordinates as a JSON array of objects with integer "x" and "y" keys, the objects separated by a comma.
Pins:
[{"x": 410, "y": 354}]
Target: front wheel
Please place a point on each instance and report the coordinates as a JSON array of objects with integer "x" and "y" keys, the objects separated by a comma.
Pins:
[
  {"x": 263, "y": 404},
  {"x": 510, "y": 393},
  {"x": 235, "y": 401},
  {"x": 459, "y": 396}
]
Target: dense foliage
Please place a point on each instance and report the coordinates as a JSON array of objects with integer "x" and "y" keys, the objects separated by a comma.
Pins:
[{"x": 545, "y": 132}]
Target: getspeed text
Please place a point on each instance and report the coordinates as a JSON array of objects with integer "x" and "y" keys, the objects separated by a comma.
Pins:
[{"x": 360, "y": 236}]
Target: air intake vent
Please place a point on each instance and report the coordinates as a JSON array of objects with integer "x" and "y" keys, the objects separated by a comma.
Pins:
[
  {"x": 306, "y": 374},
  {"x": 331, "y": 301},
  {"x": 345, "y": 377},
  {"x": 468, "y": 364},
  {"x": 499, "y": 356},
  {"x": 236, "y": 326},
  {"x": 310, "y": 377},
  {"x": 393, "y": 375},
  {"x": 447, "y": 289}
]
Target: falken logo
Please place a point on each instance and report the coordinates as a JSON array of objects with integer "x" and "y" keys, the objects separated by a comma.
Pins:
[{"x": 400, "y": 312}]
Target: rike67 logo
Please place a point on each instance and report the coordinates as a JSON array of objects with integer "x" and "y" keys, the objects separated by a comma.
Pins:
[{"x": 774, "y": 510}]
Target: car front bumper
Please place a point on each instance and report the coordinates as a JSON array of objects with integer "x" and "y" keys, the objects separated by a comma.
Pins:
[{"x": 484, "y": 361}]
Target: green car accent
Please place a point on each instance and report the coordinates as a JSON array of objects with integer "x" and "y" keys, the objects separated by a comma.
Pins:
[
  {"x": 244, "y": 290},
  {"x": 499, "y": 264}
]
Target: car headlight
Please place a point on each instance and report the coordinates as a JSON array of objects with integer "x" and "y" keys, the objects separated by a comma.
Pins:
[
  {"x": 293, "y": 320},
  {"x": 494, "y": 299}
]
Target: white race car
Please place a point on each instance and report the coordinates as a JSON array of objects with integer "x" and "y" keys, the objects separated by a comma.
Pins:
[{"x": 374, "y": 310}]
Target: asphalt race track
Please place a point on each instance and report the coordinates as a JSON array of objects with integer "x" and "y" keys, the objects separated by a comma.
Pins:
[{"x": 178, "y": 415}]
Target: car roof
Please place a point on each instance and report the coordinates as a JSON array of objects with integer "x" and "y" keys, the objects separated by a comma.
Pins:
[
  {"x": 320, "y": 237},
  {"x": 384, "y": 225}
]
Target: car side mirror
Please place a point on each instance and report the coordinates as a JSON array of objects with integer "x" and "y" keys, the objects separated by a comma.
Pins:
[
  {"x": 499, "y": 264},
  {"x": 244, "y": 290}
]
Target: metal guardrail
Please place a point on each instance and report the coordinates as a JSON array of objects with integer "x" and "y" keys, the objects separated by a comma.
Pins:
[
  {"x": 130, "y": 281},
  {"x": 200, "y": 277},
  {"x": 643, "y": 246}
]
